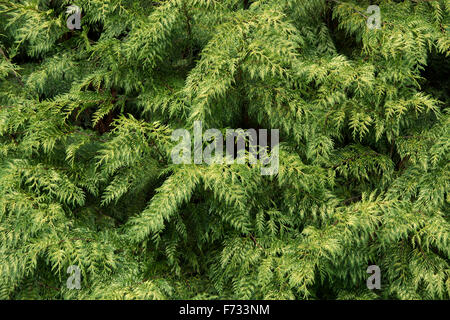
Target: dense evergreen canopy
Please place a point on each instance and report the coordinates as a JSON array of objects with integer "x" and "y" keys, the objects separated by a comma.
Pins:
[{"x": 86, "y": 176}]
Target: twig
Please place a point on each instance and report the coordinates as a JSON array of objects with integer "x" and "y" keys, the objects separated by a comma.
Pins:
[
  {"x": 255, "y": 242},
  {"x": 47, "y": 286}
]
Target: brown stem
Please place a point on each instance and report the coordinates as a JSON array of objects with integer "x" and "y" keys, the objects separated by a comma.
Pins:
[{"x": 255, "y": 242}]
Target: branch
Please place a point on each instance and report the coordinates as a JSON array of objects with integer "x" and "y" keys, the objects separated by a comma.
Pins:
[{"x": 256, "y": 243}]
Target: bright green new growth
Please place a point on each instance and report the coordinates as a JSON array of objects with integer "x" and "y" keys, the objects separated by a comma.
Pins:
[{"x": 86, "y": 176}]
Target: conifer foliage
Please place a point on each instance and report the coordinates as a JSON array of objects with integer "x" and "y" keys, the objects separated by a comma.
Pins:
[{"x": 87, "y": 180}]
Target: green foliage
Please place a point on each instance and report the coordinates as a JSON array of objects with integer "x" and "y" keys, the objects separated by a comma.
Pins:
[{"x": 86, "y": 177}]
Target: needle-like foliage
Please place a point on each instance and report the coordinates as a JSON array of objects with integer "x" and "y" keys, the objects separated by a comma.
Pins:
[{"x": 87, "y": 179}]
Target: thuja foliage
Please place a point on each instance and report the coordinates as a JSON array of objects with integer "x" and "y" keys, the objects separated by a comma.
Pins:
[{"x": 86, "y": 177}]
